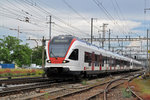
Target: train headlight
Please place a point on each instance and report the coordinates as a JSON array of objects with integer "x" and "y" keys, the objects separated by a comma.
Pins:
[
  {"x": 48, "y": 61},
  {"x": 65, "y": 61}
]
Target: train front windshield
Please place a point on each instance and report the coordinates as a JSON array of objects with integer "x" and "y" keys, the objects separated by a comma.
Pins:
[{"x": 59, "y": 46}]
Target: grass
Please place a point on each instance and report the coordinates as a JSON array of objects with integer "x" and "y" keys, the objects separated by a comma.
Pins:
[
  {"x": 84, "y": 82},
  {"x": 126, "y": 94},
  {"x": 142, "y": 86},
  {"x": 98, "y": 80},
  {"x": 46, "y": 96}
]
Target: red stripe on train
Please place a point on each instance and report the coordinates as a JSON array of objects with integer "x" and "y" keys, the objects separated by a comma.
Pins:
[
  {"x": 100, "y": 68},
  {"x": 92, "y": 67}
]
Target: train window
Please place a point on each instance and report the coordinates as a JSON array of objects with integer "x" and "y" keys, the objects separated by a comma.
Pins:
[
  {"x": 117, "y": 62},
  {"x": 74, "y": 55},
  {"x": 96, "y": 60},
  {"x": 114, "y": 61},
  {"x": 88, "y": 58},
  {"x": 101, "y": 60}
]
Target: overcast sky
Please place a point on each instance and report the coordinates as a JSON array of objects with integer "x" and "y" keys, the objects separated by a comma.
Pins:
[{"x": 124, "y": 17}]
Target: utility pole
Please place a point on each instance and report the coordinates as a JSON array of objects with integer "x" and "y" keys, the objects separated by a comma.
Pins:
[
  {"x": 43, "y": 51},
  {"x": 18, "y": 30},
  {"x": 147, "y": 50},
  {"x": 91, "y": 30},
  {"x": 103, "y": 38},
  {"x": 109, "y": 41},
  {"x": 50, "y": 22},
  {"x": 99, "y": 38},
  {"x": 50, "y": 27}
]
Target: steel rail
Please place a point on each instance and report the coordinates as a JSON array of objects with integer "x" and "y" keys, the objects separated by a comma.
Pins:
[
  {"x": 22, "y": 80},
  {"x": 80, "y": 91},
  {"x": 106, "y": 88},
  {"x": 128, "y": 86},
  {"x": 14, "y": 90}
]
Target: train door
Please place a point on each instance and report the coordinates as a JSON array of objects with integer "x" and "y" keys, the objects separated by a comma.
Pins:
[
  {"x": 93, "y": 60},
  {"x": 101, "y": 62},
  {"x": 117, "y": 64},
  {"x": 87, "y": 60},
  {"x": 114, "y": 63}
]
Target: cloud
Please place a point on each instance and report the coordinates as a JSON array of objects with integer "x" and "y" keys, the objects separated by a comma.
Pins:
[{"x": 135, "y": 44}]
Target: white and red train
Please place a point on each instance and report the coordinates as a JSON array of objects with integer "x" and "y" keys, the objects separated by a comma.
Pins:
[{"x": 70, "y": 56}]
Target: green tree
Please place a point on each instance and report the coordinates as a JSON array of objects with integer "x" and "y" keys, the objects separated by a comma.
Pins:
[
  {"x": 22, "y": 55},
  {"x": 37, "y": 55},
  {"x": 12, "y": 51}
]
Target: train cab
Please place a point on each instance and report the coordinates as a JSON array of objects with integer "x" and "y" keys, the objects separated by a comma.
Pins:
[{"x": 62, "y": 56}]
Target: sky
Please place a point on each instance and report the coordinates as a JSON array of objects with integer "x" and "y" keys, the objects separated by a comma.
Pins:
[{"x": 124, "y": 18}]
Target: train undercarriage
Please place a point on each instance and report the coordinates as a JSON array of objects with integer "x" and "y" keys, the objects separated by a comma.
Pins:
[
  {"x": 59, "y": 72},
  {"x": 62, "y": 73}
]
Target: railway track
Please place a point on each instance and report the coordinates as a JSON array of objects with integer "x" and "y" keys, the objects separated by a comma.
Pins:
[
  {"x": 107, "y": 89},
  {"x": 30, "y": 87},
  {"x": 22, "y": 80},
  {"x": 88, "y": 92},
  {"x": 68, "y": 91},
  {"x": 133, "y": 93},
  {"x": 75, "y": 91}
]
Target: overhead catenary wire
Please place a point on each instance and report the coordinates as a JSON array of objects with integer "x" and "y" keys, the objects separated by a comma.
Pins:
[
  {"x": 109, "y": 16},
  {"x": 27, "y": 4},
  {"x": 58, "y": 19},
  {"x": 68, "y": 5},
  {"x": 123, "y": 17},
  {"x": 99, "y": 5},
  {"x": 64, "y": 28},
  {"x": 35, "y": 13},
  {"x": 117, "y": 13},
  {"x": 67, "y": 30},
  {"x": 12, "y": 14},
  {"x": 23, "y": 31},
  {"x": 34, "y": 16},
  {"x": 17, "y": 15}
]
